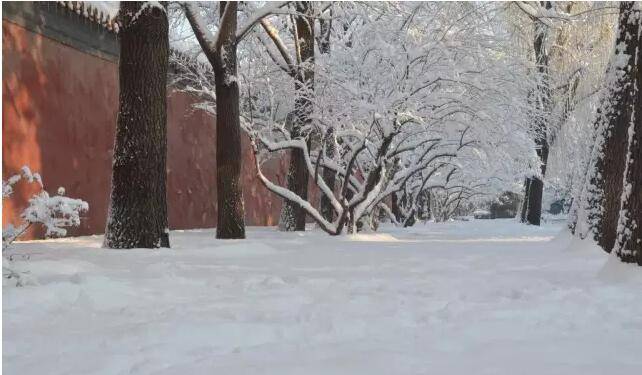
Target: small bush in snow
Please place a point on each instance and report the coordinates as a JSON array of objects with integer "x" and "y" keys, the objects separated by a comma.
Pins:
[{"x": 55, "y": 213}]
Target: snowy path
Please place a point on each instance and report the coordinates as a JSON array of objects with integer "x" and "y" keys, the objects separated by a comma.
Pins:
[{"x": 480, "y": 297}]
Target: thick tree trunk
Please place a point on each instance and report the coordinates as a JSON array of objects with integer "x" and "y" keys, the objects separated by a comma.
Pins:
[
  {"x": 628, "y": 245},
  {"x": 629, "y": 236},
  {"x": 138, "y": 209},
  {"x": 535, "y": 187},
  {"x": 612, "y": 160},
  {"x": 292, "y": 215},
  {"x": 231, "y": 213}
]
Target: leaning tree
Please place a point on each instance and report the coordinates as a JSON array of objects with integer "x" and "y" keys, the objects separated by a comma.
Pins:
[
  {"x": 628, "y": 243},
  {"x": 616, "y": 116}
]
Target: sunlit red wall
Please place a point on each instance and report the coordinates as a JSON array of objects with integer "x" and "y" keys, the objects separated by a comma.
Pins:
[{"x": 59, "y": 116}]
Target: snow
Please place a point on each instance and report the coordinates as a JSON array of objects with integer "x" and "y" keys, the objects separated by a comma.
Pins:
[
  {"x": 52, "y": 212},
  {"x": 146, "y": 5},
  {"x": 475, "y": 297},
  {"x": 261, "y": 13},
  {"x": 110, "y": 8}
]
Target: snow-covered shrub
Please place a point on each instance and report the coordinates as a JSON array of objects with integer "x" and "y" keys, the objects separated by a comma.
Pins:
[
  {"x": 55, "y": 213},
  {"x": 405, "y": 107}
]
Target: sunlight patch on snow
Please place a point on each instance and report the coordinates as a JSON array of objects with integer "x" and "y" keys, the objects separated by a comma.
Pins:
[
  {"x": 84, "y": 241},
  {"x": 374, "y": 237}
]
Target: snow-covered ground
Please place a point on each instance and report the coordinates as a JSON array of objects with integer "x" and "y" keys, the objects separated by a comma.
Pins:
[{"x": 478, "y": 297}]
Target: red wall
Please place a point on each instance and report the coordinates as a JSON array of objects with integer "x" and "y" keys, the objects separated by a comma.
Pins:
[{"x": 59, "y": 116}]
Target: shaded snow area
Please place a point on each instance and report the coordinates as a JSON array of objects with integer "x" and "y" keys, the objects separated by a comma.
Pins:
[{"x": 478, "y": 297}]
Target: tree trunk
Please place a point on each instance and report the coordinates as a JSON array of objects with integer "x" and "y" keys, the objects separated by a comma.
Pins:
[
  {"x": 524, "y": 210},
  {"x": 138, "y": 210},
  {"x": 535, "y": 187},
  {"x": 292, "y": 215},
  {"x": 329, "y": 141},
  {"x": 629, "y": 236},
  {"x": 396, "y": 210},
  {"x": 330, "y": 149},
  {"x": 628, "y": 245},
  {"x": 616, "y": 120},
  {"x": 231, "y": 213}
]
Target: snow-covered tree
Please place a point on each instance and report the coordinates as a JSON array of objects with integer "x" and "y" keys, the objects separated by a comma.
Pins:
[
  {"x": 300, "y": 66},
  {"x": 406, "y": 90},
  {"x": 568, "y": 43},
  {"x": 628, "y": 243},
  {"x": 218, "y": 33},
  {"x": 598, "y": 204},
  {"x": 607, "y": 206}
]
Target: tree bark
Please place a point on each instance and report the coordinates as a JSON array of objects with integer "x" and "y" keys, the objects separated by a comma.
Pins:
[
  {"x": 329, "y": 141},
  {"x": 293, "y": 215},
  {"x": 138, "y": 209},
  {"x": 617, "y": 116},
  {"x": 628, "y": 245},
  {"x": 524, "y": 210},
  {"x": 231, "y": 212},
  {"x": 535, "y": 185},
  {"x": 396, "y": 210},
  {"x": 629, "y": 236},
  {"x": 330, "y": 149},
  {"x": 221, "y": 54}
]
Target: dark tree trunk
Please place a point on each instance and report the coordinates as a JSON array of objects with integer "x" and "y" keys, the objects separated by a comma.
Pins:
[
  {"x": 325, "y": 28},
  {"x": 629, "y": 236},
  {"x": 536, "y": 184},
  {"x": 423, "y": 206},
  {"x": 329, "y": 141},
  {"x": 534, "y": 209},
  {"x": 411, "y": 219},
  {"x": 535, "y": 187},
  {"x": 628, "y": 245},
  {"x": 524, "y": 210},
  {"x": 231, "y": 213},
  {"x": 293, "y": 215},
  {"x": 138, "y": 209},
  {"x": 396, "y": 210},
  {"x": 330, "y": 149},
  {"x": 616, "y": 117}
]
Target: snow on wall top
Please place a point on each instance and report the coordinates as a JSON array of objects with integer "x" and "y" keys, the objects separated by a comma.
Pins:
[
  {"x": 100, "y": 12},
  {"x": 104, "y": 13}
]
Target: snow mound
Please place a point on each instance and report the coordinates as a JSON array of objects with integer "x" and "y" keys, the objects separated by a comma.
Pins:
[{"x": 615, "y": 271}]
